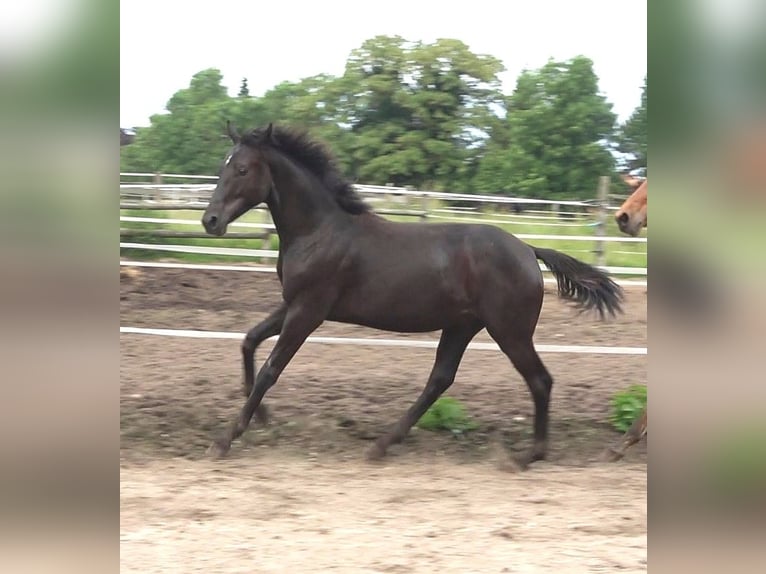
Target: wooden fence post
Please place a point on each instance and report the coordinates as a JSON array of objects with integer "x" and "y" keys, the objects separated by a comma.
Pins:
[
  {"x": 603, "y": 194},
  {"x": 157, "y": 181}
]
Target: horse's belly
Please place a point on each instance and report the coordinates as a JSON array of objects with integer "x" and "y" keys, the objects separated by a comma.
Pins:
[
  {"x": 399, "y": 324},
  {"x": 416, "y": 309}
]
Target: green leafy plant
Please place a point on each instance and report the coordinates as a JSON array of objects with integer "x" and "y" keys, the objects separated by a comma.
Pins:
[
  {"x": 447, "y": 413},
  {"x": 627, "y": 405}
]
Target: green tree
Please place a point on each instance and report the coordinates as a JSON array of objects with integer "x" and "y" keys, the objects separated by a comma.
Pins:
[
  {"x": 205, "y": 87},
  {"x": 426, "y": 115},
  {"x": 417, "y": 112},
  {"x": 555, "y": 140},
  {"x": 187, "y": 139},
  {"x": 190, "y": 137},
  {"x": 633, "y": 134}
]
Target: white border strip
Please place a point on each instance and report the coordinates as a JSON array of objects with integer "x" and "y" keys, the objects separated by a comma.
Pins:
[
  {"x": 582, "y": 349},
  {"x": 205, "y": 267}
]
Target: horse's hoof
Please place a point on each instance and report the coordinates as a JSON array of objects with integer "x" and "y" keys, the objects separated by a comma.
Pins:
[
  {"x": 376, "y": 453},
  {"x": 218, "y": 449},
  {"x": 521, "y": 463}
]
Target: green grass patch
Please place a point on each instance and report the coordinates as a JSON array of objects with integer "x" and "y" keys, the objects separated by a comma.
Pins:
[
  {"x": 627, "y": 406},
  {"x": 447, "y": 413}
]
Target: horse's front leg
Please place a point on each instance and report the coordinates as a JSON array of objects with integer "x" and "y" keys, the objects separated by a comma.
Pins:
[
  {"x": 269, "y": 327},
  {"x": 300, "y": 320}
]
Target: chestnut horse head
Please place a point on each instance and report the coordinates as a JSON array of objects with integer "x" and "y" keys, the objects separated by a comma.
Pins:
[{"x": 631, "y": 216}]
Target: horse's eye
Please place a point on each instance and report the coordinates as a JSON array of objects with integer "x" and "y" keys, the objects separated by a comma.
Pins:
[{"x": 242, "y": 171}]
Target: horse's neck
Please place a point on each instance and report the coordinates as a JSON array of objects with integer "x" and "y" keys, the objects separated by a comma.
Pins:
[{"x": 298, "y": 204}]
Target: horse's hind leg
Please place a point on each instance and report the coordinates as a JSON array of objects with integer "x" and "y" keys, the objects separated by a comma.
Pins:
[
  {"x": 521, "y": 351},
  {"x": 634, "y": 434},
  {"x": 269, "y": 327},
  {"x": 450, "y": 351}
]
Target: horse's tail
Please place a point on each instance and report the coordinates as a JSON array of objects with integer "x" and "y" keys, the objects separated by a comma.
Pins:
[{"x": 581, "y": 283}]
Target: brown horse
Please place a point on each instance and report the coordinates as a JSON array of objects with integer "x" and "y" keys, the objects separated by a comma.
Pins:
[
  {"x": 631, "y": 218},
  {"x": 339, "y": 261}
]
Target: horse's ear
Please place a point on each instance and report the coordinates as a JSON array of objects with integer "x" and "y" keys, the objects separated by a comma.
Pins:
[
  {"x": 232, "y": 131},
  {"x": 267, "y": 135}
]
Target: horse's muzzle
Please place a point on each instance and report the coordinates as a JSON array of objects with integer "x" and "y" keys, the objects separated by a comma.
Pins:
[
  {"x": 626, "y": 225},
  {"x": 213, "y": 224}
]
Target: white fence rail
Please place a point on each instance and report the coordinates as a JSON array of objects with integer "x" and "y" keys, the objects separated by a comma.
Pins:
[
  {"x": 272, "y": 254},
  {"x": 404, "y": 192},
  {"x": 400, "y": 342},
  {"x": 270, "y": 227},
  {"x": 272, "y": 269}
]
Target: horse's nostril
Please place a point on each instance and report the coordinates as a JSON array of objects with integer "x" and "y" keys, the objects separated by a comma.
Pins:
[
  {"x": 210, "y": 221},
  {"x": 622, "y": 218}
]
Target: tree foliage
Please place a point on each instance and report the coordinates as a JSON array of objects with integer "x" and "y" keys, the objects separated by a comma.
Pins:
[
  {"x": 431, "y": 116},
  {"x": 189, "y": 138},
  {"x": 633, "y": 134},
  {"x": 554, "y": 140},
  {"x": 417, "y": 111}
]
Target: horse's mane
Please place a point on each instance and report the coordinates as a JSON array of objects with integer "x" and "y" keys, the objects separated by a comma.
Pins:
[{"x": 315, "y": 157}]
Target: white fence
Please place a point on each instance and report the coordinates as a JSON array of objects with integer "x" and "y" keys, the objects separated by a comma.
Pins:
[
  {"x": 376, "y": 342},
  {"x": 147, "y": 191},
  {"x": 158, "y": 190},
  {"x": 159, "y": 195}
]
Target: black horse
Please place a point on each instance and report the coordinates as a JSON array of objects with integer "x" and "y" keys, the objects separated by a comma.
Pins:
[{"x": 339, "y": 261}]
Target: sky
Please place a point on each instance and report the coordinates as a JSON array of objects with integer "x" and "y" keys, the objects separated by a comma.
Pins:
[{"x": 164, "y": 43}]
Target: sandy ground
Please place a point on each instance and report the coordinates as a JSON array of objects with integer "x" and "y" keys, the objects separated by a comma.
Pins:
[
  {"x": 286, "y": 515},
  {"x": 297, "y": 494}
]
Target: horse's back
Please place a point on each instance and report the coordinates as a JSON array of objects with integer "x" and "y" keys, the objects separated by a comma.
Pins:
[{"x": 439, "y": 247}]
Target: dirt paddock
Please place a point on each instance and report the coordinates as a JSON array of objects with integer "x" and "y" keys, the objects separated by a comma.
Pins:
[{"x": 297, "y": 495}]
